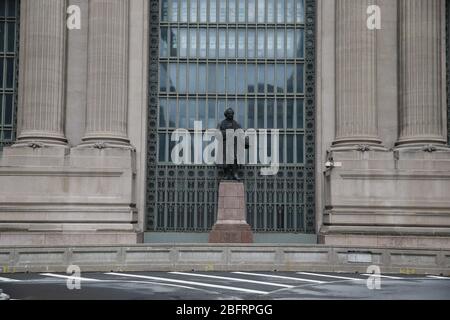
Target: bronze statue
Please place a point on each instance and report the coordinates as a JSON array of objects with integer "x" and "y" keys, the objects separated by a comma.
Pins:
[{"x": 230, "y": 170}]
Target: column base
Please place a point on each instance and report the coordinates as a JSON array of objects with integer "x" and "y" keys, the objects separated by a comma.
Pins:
[
  {"x": 231, "y": 233},
  {"x": 351, "y": 144}
]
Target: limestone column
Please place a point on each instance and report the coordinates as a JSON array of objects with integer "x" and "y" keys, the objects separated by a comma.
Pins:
[
  {"x": 421, "y": 66},
  {"x": 42, "y": 72},
  {"x": 107, "y": 93},
  {"x": 356, "y": 103}
]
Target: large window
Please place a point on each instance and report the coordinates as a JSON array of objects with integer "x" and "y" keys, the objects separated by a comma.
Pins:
[
  {"x": 256, "y": 56},
  {"x": 248, "y": 55},
  {"x": 8, "y": 66}
]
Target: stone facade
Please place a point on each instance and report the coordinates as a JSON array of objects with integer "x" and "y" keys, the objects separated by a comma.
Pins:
[{"x": 77, "y": 172}]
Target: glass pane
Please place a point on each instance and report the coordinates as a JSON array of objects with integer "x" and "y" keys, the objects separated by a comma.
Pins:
[
  {"x": 271, "y": 11},
  {"x": 251, "y": 114},
  {"x": 212, "y": 114},
  {"x": 162, "y": 112},
  {"x": 300, "y": 112},
  {"x": 251, "y": 9},
  {"x": 241, "y": 43},
  {"x": 222, "y": 43},
  {"x": 290, "y": 76},
  {"x": 212, "y": 78},
  {"x": 251, "y": 42},
  {"x": 231, "y": 77},
  {"x": 240, "y": 106},
  {"x": 299, "y": 48},
  {"x": 270, "y": 78},
  {"x": 184, "y": 11},
  {"x": 174, "y": 11},
  {"x": 182, "y": 114},
  {"x": 164, "y": 43},
  {"x": 299, "y": 78},
  {"x": 221, "y": 78},
  {"x": 300, "y": 11},
  {"x": 241, "y": 12},
  {"x": 290, "y": 44},
  {"x": 260, "y": 114},
  {"x": 192, "y": 113},
  {"x": 182, "y": 78},
  {"x": 251, "y": 78},
  {"x": 202, "y": 112},
  {"x": 212, "y": 11},
  {"x": 222, "y": 11},
  {"x": 261, "y": 79},
  {"x": 8, "y": 109},
  {"x": 290, "y": 11},
  {"x": 193, "y": 43},
  {"x": 192, "y": 78},
  {"x": 281, "y": 149},
  {"x": 163, "y": 77},
  {"x": 202, "y": 78},
  {"x": 193, "y": 11},
  {"x": 280, "y": 44},
  {"x": 231, "y": 43},
  {"x": 164, "y": 10},
  {"x": 270, "y": 44},
  {"x": 261, "y": 11},
  {"x": 261, "y": 44},
  {"x": 290, "y": 148},
  {"x": 172, "y": 113},
  {"x": 162, "y": 148},
  {"x": 280, "y": 78},
  {"x": 290, "y": 113},
  {"x": 183, "y": 43},
  {"x": 232, "y": 11},
  {"x": 212, "y": 53},
  {"x": 203, "y": 11},
  {"x": 280, "y": 113},
  {"x": 280, "y": 11},
  {"x": 241, "y": 85},
  {"x": 202, "y": 43},
  {"x": 172, "y": 77},
  {"x": 300, "y": 148},
  {"x": 270, "y": 113},
  {"x": 173, "y": 42}
]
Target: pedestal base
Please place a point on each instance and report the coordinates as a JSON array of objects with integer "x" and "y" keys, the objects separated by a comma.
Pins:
[{"x": 231, "y": 226}]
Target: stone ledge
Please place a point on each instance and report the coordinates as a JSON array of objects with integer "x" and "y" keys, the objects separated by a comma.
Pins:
[{"x": 219, "y": 257}]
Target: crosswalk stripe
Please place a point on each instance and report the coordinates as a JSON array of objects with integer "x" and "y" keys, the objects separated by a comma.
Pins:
[
  {"x": 381, "y": 276},
  {"x": 8, "y": 280},
  {"x": 233, "y": 279},
  {"x": 69, "y": 277},
  {"x": 279, "y": 277},
  {"x": 437, "y": 277},
  {"x": 189, "y": 282},
  {"x": 328, "y": 276}
]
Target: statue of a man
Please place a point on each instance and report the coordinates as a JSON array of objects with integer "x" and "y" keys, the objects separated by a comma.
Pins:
[{"x": 230, "y": 170}]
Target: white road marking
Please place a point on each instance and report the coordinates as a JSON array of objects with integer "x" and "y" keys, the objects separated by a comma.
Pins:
[
  {"x": 279, "y": 277},
  {"x": 329, "y": 276},
  {"x": 438, "y": 277},
  {"x": 8, "y": 280},
  {"x": 69, "y": 277},
  {"x": 233, "y": 279},
  {"x": 188, "y": 282},
  {"x": 381, "y": 276}
]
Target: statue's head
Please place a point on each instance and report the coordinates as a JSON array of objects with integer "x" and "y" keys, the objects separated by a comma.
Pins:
[{"x": 229, "y": 114}]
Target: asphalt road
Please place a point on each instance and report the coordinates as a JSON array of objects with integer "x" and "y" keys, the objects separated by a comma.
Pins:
[{"x": 222, "y": 285}]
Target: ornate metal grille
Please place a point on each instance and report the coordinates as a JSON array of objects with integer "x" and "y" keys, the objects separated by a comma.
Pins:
[
  {"x": 183, "y": 198},
  {"x": 9, "y": 48}
]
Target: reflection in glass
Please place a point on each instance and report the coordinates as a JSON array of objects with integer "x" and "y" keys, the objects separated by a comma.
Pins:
[
  {"x": 182, "y": 113},
  {"x": 212, "y": 43},
  {"x": 184, "y": 11},
  {"x": 300, "y": 12},
  {"x": 290, "y": 113},
  {"x": 261, "y": 33},
  {"x": 251, "y": 78},
  {"x": 192, "y": 113},
  {"x": 182, "y": 78},
  {"x": 270, "y": 113},
  {"x": 241, "y": 11},
  {"x": 300, "y": 148},
  {"x": 193, "y": 11},
  {"x": 299, "y": 78},
  {"x": 231, "y": 76},
  {"x": 163, "y": 77},
  {"x": 260, "y": 114},
  {"x": 164, "y": 47},
  {"x": 174, "y": 11},
  {"x": 261, "y": 78},
  {"x": 183, "y": 43},
  {"x": 241, "y": 85},
  {"x": 173, "y": 42},
  {"x": 212, "y": 78},
  {"x": 172, "y": 77},
  {"x": 221, "y": 107},
  {"x": 202, "y": 112},
  {"x": 290, "y": 11},
  {"x": 280, "y": 44},
  {"x": 299, "y": 48},
  {"x": 289, "y": 148},
  {"x": 280, "y": 11},
  {"x": 241, "y": 43},
  {"x": 164, "y": 10},
  {"x": 232, "y": 11},
  {"x": 251, "y": 43},
  {"x": 212, "y": 11},
  {"x": 280, "y": 113},
  {"x": 300, "y": 111},
  {"x": 251, "y": 11},
  {"x": 222, "y": 43},
  {"x": 261, "y": 11},
  {"x": 172, "y": 113},
  {"x": 221, "y": 78},
  {"x": 162, "y": 148},
  {"x": 271, "y": 11},
  {"x": 281, "y": 149},
  {"x": 211, "y": 114},
  {"x": 290, "y": 44},
  {"x": 251, "y": 114},
  {"x": 192, "y": 43},
  {"x": 202, "y": 78},
  {"x": 290, "y": 76},
  {"x": 202, "y": 43},
  {"x": 162, "y": 112},
  {"x": 203, "y": 11},
  {"x": 241, "y": 112},
  {"x": 270, "y": 44},
  {"x": 270, "y": 78},
  {"x": 192, "y": 78},
  {"x": 222, "y": 11},
  {"x": 280, "y": 78},
  {"x": 231, "y": 43}
]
